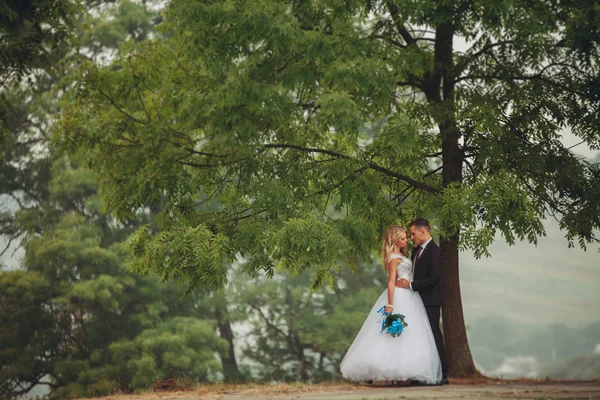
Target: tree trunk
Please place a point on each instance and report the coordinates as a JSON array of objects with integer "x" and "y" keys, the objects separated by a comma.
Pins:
[
  {"x": 302, "y": 366},
  {"x": 458, "y": 355},
  {"x": 230, "y": 368},
  {"x": 321, "y": 359}
]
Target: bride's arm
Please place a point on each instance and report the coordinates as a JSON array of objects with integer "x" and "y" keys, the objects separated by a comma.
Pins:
[{"x": 393, "y": 264}]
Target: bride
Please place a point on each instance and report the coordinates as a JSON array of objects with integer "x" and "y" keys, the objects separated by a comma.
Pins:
[{"x": 377, "y": 356}]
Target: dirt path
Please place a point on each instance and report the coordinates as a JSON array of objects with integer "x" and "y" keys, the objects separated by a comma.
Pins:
[
  {"x": 486, "y": 391},
  {"x": 481, "y": 392}
]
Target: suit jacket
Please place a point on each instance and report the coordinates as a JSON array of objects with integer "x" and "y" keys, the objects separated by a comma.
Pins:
[{"x": 428, "y": 271}]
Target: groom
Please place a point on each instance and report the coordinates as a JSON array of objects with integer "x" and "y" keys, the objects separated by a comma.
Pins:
[{"x": 427, "y": 264}]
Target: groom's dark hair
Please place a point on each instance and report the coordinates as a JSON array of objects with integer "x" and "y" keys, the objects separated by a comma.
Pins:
[{"x": 420, "y": 223}]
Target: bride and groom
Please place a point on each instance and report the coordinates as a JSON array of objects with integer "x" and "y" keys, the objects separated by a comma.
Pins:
[{"x": 413, "y": 290}]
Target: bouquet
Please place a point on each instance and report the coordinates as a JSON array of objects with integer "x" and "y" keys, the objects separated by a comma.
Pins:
[{"x": 393, "y": 324}]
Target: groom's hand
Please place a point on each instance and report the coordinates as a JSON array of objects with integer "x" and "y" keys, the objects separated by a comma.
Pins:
[{"x": 403, "y": 283}]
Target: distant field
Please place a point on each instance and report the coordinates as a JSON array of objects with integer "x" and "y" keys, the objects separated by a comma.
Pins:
[{"x": 533, "y": 285}]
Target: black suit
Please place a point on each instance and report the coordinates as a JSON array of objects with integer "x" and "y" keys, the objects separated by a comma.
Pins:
[{"x": 426, "y": 281}]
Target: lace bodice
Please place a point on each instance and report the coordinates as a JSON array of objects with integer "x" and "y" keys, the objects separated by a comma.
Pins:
[{"x": 404, "y": 268}]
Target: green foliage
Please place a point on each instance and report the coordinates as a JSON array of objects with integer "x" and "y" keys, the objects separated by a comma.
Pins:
[
  {"x": 28, "y": 110},
  {"x": 110, "y": 26},
  {"x": 75, "y": 301},
  {"x": 288, "y": 135},
  {"x": 73, "y": 298},
  {"x": 299, "y": 333},
  {"x": 27, "y": 329},
  {"x": 293, "y": 134},
  {"x": 184, "y": 345},
  {"x": 30, "y": 31},
  {"x": 195, "y": 255}
]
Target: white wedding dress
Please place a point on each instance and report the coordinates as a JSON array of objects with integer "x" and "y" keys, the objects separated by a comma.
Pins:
[{"x": 377, "y": 356}]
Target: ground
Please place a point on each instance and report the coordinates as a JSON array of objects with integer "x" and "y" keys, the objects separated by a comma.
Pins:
[{"x": 491, "y": 389}]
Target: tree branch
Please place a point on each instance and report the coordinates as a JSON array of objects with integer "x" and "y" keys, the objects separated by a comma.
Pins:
[
  {"x": 137, "y": 90},
  {"x": 340, "y": 183},
  {"x": 131, "y": 117},
  {"x": 467, "y": 58},
  {"x": 390, "y": 40},
  {"x": 16, "y": 186},
  {"x": 402, "y": 31},
  {"x": 508, "y": 78},
  {"x": 15, "y": 198},
  {"x": 406, "y": 192},
  {"x": 372, "y": 165},
  {"x": 433, "y": 171},
  {"x": 268, "y": 322},
  {"x": 434, "y": 155},
  {"x": 13, "y": 237}
]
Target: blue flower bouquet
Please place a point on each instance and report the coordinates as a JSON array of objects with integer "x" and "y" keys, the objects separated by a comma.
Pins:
[{"x": 393, "y": 324}]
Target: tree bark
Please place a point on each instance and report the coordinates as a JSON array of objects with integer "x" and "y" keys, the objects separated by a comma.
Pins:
[
  {"x": 302, "y": 366},
  {"x": 458, "y": 355},
  {"x": 231, "y": 371}
]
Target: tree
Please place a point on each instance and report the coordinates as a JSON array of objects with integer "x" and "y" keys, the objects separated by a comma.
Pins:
[
  {"x": 185, "y": 345},
  {"x": 28, "y": 108},
  {"x": 27, "y": 112},
  {"x": 34, "y": 36},
  {"x": 77, "y": 321},
  {"x": 298, "y": 333},
  {"x": 31, "y": 31},
  {"x": 282, "y": 113},
  {"x": 27, "y": 330},
  {"x": 221, "y": 304}
]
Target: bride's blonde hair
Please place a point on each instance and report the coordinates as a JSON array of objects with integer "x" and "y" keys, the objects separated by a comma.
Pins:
[{"x": 389, "y": 242}]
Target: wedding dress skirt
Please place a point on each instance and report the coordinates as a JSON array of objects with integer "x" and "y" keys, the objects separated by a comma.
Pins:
[{"x": 377, "y": 356}]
